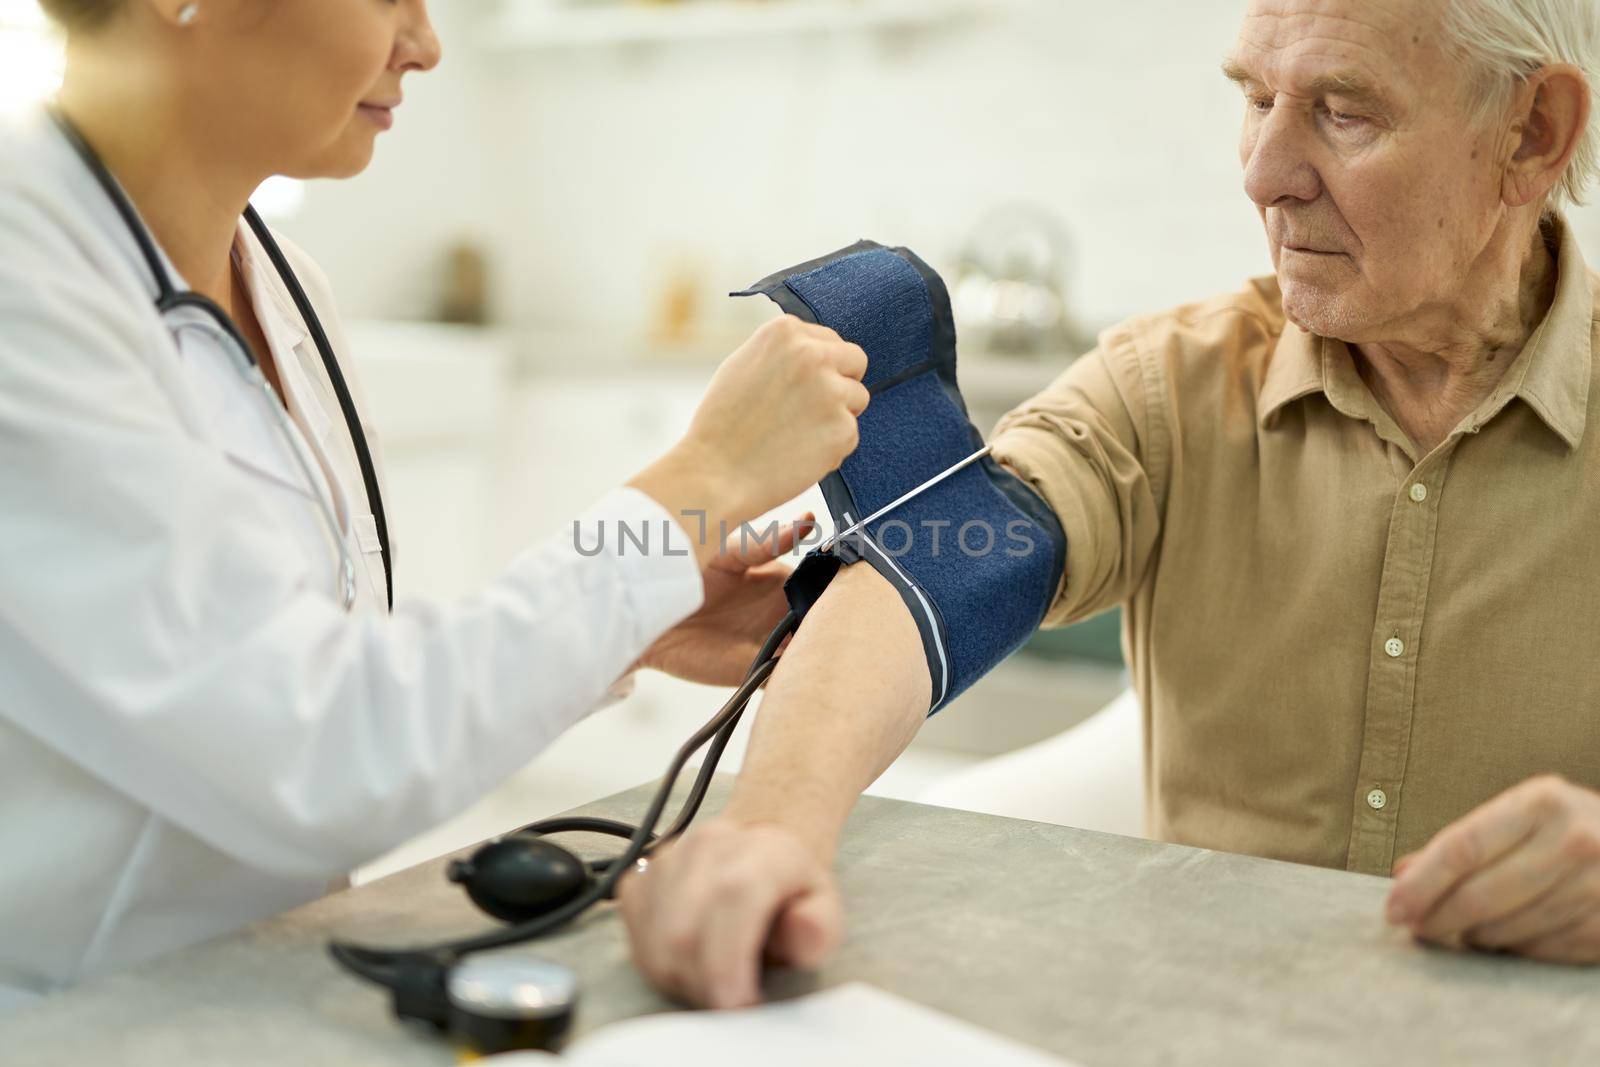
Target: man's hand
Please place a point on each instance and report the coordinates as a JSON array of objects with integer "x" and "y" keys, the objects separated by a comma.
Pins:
[
  {"x": 754, "y": 883},
  {"x": 1519, "y": 874},
  {"x": 744, "y": 602},
  {"x": 714, "y": 905}
]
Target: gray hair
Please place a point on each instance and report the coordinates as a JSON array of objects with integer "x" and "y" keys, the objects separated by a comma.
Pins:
[{"x": 1504, "y": 41}]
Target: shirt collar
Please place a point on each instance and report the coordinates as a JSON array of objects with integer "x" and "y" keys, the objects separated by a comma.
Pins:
[
  {"x": 1551, "y": 374},
  {"x": 1295, "y": 371},
  {"x": 285, "y": 330},
  {"x": 1555, "y": 379},
  {"x": 263, "y": 279}
]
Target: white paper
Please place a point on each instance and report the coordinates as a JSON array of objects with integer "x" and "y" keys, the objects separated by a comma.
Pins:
[{"x": 853, "y": 1025}]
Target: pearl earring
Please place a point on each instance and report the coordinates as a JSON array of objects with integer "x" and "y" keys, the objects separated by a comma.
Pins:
[{"x": 188, "y": 13}]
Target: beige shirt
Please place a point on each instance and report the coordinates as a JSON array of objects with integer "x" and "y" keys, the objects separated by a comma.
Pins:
[{"x": 1340, "y": 646}]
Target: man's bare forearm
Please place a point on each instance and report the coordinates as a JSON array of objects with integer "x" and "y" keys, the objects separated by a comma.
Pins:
[{"x": 846, "y": 699}]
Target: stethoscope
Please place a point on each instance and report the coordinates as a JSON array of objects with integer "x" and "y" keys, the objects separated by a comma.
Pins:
[
  {"x": 492, "y": 1003},
  {"x": 524, "y": 879},
  {"x": 169, "y": 299},
  {"x": 495, "y": 1003},
  {"x": 538, "y": 886}
]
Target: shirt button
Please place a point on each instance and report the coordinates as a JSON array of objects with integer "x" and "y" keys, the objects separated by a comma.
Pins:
[
  {"x": 1419, "y": 492},
  {"x": 1394, "y": 647},
  {"x": 1377, "y": 799}
]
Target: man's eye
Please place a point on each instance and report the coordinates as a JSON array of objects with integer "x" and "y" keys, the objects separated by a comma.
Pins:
[
  {"x": 1342, "y": 118},
  {"x": 1262, "y": 104}
]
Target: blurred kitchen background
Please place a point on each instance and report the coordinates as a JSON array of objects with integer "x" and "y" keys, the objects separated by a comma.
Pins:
[{"x": 533, "y": 272}]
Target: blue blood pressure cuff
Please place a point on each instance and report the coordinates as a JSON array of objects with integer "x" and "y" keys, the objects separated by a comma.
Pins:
[{"x": 976, "y": 558}]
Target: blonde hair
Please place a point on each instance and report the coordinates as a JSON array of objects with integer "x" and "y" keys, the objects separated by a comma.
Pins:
[
  {"x": 79, "y": 14},
  {"x": 1505, "y": 41}
]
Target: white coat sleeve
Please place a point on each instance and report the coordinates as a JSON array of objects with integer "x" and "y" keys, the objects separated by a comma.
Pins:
[{"x": 154, "y": 631}]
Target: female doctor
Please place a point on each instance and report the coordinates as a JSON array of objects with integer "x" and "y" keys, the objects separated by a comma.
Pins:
[{"x": 208, "y": 710}]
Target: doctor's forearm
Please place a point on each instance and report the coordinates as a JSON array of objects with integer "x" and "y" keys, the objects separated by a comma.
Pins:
[
  {"x": 846, "y": 699},
  {"x": 699, "y": 493}
]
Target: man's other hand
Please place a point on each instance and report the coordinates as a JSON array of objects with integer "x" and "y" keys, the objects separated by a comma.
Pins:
[{"x": 1519, "y": 874}]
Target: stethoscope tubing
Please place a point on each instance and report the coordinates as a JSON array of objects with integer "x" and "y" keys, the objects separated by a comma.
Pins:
[
  {"x": 388, "y": 967},
  {"x": 169, "y": 298}
]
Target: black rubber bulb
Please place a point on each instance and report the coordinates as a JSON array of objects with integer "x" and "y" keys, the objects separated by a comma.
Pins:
[{"x": 520, "y": 877}]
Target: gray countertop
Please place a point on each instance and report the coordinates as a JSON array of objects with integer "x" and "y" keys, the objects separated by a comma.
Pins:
[{"x": 1103, "y": 949}]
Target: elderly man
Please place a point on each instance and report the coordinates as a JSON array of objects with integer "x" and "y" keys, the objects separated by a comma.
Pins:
[{"x": 1353, "y": 512}]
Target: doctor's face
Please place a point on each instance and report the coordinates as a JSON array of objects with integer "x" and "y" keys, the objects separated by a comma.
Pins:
[{"x": 313, "y": 82}]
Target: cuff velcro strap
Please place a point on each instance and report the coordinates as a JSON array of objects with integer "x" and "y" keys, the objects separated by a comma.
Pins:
[{"x": 978, "y": 557}]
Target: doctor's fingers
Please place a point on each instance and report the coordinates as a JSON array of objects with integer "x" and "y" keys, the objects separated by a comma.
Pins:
[
  {"x": 826, "y": 338},
  {"x": 855, "y": 395},
  {"x": 848, "y": 359},
  {"x": 751, "y": 553}
]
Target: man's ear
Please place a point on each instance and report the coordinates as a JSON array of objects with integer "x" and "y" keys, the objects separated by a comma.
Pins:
[{"x": 1551, "y": 113}]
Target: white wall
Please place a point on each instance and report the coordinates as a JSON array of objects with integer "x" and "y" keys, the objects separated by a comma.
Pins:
[
  {"x": 381, "y": 236},
  {"x": 589, "y": 171},
  {"x": 754, "y": 156}
]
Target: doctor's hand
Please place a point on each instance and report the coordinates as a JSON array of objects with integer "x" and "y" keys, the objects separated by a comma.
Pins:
[
  {"x": 744, "y": 601},
  {"x": 712, "y": 907},
  {"x": 1519, "y": 874},
  {"x": 779, "y": 414}
]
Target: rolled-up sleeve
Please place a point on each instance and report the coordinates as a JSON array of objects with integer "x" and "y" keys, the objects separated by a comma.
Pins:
[{"x": 1091, "y": 445}]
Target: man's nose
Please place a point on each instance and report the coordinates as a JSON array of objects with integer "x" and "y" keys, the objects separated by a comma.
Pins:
[{"x": 1277, "y": 169}]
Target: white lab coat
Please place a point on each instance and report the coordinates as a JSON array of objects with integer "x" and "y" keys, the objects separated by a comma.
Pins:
[{"x": 193, "y": 734}]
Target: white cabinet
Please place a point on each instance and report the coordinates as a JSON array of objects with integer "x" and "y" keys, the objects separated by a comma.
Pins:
[{"x": 437, "y": 395}]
